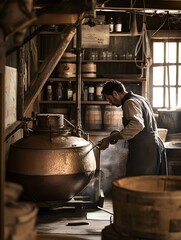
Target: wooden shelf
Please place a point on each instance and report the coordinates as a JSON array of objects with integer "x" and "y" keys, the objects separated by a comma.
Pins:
[
  {"x": 50, "y": 32},
  {"x": 99, "y": 61},
  {"x": 123, "y": 34},
  {"x": 124, "y": 79},
  {"x": 73, "y": 102},
  {"x": 58, "y": 79},
  {"x": 112, "y": 34},
  {"x": 112, "y": 61},
  {"x": 107, "y": 69},
  {"x": 57, "y": 102}
]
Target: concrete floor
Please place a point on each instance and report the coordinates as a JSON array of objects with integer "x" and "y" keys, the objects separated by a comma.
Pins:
[{"x": 74, "y": 223}]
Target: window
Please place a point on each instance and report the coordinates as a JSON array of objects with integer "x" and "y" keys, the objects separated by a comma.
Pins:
[{"x": 166, "y": 74}]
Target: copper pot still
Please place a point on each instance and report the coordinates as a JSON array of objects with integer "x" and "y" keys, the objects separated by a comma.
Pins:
[{"x": 52, "y": 163}]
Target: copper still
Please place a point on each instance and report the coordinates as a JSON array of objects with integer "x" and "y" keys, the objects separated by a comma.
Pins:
[{"x": 52, "y": 163}]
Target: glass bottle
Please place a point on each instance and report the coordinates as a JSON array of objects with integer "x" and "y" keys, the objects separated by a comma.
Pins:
[
  {"x": 111, "y": 24},
  {"x": 59, "y": 92},
  {"x": 49, "y": 92},
  {"x": 85, "y": 93},
  {"x": 69, "y": 91},
  {"x": 118, "y": 25},
  {"x": 114, "y": 55},
  {"x": 92, "y": 55},
  {"x": 102, "y": 54},
  {"x": 74, "y": 94},
  {"x": 99, "y": 95}
]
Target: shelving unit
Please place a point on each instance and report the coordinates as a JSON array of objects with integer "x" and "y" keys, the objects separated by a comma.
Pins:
[{"x": 124, "y": 70}]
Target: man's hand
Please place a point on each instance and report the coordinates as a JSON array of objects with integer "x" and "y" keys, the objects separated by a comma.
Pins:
[{"x": 104, "y": 143}]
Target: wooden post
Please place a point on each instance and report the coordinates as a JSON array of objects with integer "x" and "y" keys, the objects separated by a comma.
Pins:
[
  {"x": 78, "y": 78},
  {"x": 2, "y": 133},
  {"x": 20, "y": 92}
]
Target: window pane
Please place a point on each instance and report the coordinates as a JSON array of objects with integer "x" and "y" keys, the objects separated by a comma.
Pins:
[
  {"x": 179, "y": 98},
  {"x": 179, "y": 75},
  {"x": 161, "y": 96},
  {"x": 171, "y": 52},
  {"x": 172, "y": 95},
  {"x": 158, "y": 75},
  {"x": 171, "y": 70},
  {"x": 179, "y": 56},
  {"x": 158, "y": 52},
  {"x": 158, "y": 97}
]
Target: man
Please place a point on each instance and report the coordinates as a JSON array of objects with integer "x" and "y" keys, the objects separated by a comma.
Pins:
[{"x": 147, "y": 155}]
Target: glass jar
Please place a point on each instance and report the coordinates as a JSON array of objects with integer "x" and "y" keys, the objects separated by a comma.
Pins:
[
  {"x": 118, "y": 25},
  {"x": 91, "y": 91},
  {"x": 99, "y": 95}
]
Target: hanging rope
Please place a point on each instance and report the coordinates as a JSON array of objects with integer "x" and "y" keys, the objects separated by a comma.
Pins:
[{"x": 144, "y": 45}]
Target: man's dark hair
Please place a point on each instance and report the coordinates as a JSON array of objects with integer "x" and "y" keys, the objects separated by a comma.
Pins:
[{"x": 113, "y": 85}]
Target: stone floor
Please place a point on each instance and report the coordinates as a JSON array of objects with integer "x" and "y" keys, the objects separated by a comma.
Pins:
[{"x": 75, "y": 222}]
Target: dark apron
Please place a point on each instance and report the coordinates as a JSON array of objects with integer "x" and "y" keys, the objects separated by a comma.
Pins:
[{"x": 147, "y": 155}]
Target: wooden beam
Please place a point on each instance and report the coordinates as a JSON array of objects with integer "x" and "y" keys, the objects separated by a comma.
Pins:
[
  {"x": 2, "y": 133},
  {"x": 146, "y": 5},
  {"x": 64, "y": 6},
  {"x": 20, "y": 87},
  {"x": 47, "y": 68},
  {"x": 57, "y": 19},
  {"x": 159, "y": 4},
  {"x": 165, "y": 34}
]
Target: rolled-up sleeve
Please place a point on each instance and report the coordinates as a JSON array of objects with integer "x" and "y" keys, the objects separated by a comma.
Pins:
[{"x": 133, "y": 113}]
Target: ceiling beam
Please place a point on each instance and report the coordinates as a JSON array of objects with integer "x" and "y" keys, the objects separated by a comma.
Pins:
[
  {"x": 147, "y": 5},
  {"x": 64, "y": 6}
]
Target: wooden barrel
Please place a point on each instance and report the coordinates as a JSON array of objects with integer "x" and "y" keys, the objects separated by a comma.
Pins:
[
  {"x": 109, "y": 233},
  {"x": 93, "y": 117},
  {"x": 89, "y": 70},
  {"x": 148, "y": 207},
  {"x": 66, "y": 70},
  {"x": 112, "y": 118}
]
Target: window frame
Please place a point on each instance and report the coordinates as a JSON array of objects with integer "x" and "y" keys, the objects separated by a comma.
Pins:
[{"x": 165, "y": 40}]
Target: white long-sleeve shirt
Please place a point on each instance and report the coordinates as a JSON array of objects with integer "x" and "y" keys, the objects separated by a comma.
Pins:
[{"x": 133, "y": 113}]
